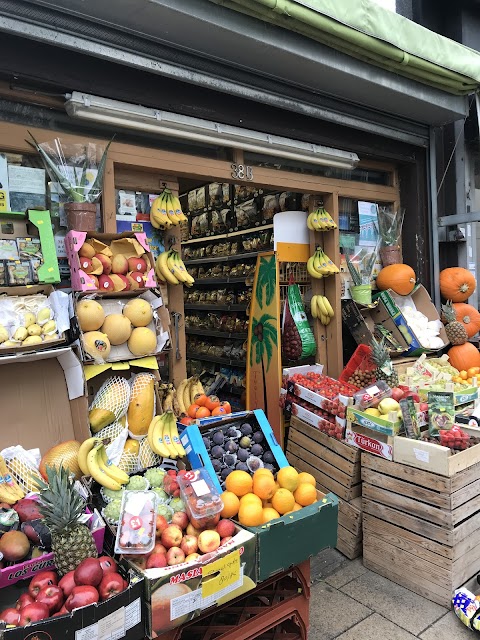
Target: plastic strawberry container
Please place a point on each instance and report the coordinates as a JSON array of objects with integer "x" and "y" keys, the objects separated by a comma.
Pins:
[
  {"x": 372, "y": 395},
  {"x": 136, "y": 531},
  {"x": 201, "y": 498}
]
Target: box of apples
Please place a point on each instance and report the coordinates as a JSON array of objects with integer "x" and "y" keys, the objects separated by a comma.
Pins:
[
  {"x": 109, "y": 262},
  {"x": 99, "y": 593}
]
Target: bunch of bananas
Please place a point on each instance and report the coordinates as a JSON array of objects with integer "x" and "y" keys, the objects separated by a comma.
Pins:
[
  {"x": 93, "y": 461},
  {"x": 166, "y": 211},
  {"x": 187, "y": 391},
  {"x": 320, "y": 266},
  {"x": 320, "y": 220},
  {"x": 322, "y": 309},
  {"x": 10, "y": 490},
  {"x": 163, "y": 436},
  {"x": 170, "y": 268}
]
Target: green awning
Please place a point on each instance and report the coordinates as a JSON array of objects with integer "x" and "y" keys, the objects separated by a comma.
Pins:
[{"x": 364, "y": 30}]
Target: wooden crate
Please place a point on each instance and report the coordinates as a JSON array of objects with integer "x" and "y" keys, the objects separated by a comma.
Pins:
[
  {"x": 336, "y": 468},
  {"x": 420, "y": 529}
]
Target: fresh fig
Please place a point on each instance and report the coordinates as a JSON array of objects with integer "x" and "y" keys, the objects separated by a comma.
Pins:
[
  {"x": 268, "y": 457},
  {"x": 243, "y": 455},
  {"x": 218, "y": 438},
  {"x": 257, "y": 450},
  {"x": 258, "y": 437},
  {"x": 217, "y": 452},
  {"x": 246, "y": 429}
]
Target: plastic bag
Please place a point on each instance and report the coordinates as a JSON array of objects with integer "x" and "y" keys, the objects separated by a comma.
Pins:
[{"x": 297, "y": 338}]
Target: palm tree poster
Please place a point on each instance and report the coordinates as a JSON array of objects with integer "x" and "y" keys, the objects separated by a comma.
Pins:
[{"x": 264, "y": 366}]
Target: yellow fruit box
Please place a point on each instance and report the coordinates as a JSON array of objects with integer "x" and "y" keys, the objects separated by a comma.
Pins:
[{"x": 389, "y": 425}]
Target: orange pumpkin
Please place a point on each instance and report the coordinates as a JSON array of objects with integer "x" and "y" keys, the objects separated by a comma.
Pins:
[
  {"x": 457, "y": 284},
  {"x": 464, "y": 356},
  {"x": 468, "y": 316},
  {"x": 398, "y": 277}
]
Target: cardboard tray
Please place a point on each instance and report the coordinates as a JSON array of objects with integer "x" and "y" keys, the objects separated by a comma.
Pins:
[
  {"x": 197, "y": 454},
  {"x": 387, "y": 426},
  {"x": 123, "y": 616},
  {"x": 293, "y": 538},
  {"x": 81, "y": 281}
]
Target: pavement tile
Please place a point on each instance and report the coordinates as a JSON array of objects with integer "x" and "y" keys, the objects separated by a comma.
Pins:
[
  {"x": 375, "y": 627},
  {"x": 332, "y": 612},
  {"x": 325, "y": 563},
  {"x": 447, "y": 628},
  {"x": 346, "y": 573},
  {"x": 399, "y": 605}
]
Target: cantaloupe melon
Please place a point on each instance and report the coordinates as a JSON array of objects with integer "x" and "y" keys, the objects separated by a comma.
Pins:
[
  {"x": 90, "y": 315},
  {"x": 97, "y": 345},
  {"x": 142, "y": 342},
  {"x": 117, "y": 327},
  {"x": 139, "y": 312}
]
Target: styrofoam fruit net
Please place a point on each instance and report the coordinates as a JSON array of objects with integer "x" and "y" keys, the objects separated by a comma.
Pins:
[
  {"x": 146, "y": 457},
  {"x": 114, "y": 396},
  {"x": 128, "y": 462},
  {"x": 23, "y": 469},
  {"x": 110, "y": 431}
]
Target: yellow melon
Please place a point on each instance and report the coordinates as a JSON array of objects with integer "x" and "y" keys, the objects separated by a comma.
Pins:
[
  {"x": 139, "y": 312},
  {"x": 117, "y": 327},
  {"x": 142, "y": 342},
  {"x": 97, "y": 345},
  {"x": 90, "y": 315}
]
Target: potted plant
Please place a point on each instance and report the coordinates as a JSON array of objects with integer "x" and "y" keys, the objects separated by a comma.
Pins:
[
  {"x": 390, "y": 229},
  {"x": 361, "y": 266},
  {"x": 79, "y": 177}
]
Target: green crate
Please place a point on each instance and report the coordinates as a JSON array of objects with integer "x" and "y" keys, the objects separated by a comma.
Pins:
[{"x": 291, "y": 539}]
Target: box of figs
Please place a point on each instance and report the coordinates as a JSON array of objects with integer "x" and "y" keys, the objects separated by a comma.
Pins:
[{"x": 240, "y": 441}]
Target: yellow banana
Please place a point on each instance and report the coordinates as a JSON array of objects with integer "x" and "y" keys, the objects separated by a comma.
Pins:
[
  {"x": 161, "y": 266},
  {"x": 186, "y": 392},
  {"x": 328, "y": 306},
  {"x": 111, "y": 469},
  {"x": 178, "y": 209},
  {"x": 85, "y": 448},
  {"x": 156, "y": 441},
  {"x": 180, "y": 396},
  {"x": 167, "y": 437},
  {"x": 321, "y": 306},
  {"x": 158, "y": 213},
  {"x": 171, "y": 210},
  {"x": 173, "y": 267},
  {"x": 309, "y": 222},
  {"x": 176, "y": 438},
  {"x": 97, "y": 472},
  {"x": 188, "y": 279},
  {"x": 311, "y": 269},
  {"x": 313, "y": 307}
]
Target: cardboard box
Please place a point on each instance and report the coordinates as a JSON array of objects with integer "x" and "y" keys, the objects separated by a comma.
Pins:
[
  {"x": 361, "y": 321},
  {"x": 81, "y": 281},
  {"x": 177, "y": 594},
  {"x": 122, "y": 616},
  {"x": 62, "y": 319},
  {"x": 26, "y": 570},
  {"x": 466, "y": 396},
  {"x": 115, "y": 304},
  {"x": 332, "y": 429},
  {"x": 423, "y": 304},
  {"x": 389, "y": 425},
  {"x": 197, "y": 454},
  {"x": 368, "y": 440},
  {"x": 43, "y": 399},
  {"x": 34, "y": 224},
  {"x": 291, "y": 539}
]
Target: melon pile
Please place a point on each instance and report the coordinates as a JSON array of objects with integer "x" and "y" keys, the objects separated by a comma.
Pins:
[{"x": 101, "y": 331}]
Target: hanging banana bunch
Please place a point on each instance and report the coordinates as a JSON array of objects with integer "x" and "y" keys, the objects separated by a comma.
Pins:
[
  {"x": 320, "y": 220},
  {"x": 170, "y": 268},
  {"x": 166, "y": 211},
  {"x": 320, "y": 266},
  {"x": 321, "y": 309}
]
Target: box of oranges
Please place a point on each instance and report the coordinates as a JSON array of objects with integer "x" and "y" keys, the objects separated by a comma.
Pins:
[{"x": 292, "y": 521}]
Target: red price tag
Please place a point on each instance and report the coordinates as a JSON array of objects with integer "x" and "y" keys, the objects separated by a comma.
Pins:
[{"x": 136, "y": 523}]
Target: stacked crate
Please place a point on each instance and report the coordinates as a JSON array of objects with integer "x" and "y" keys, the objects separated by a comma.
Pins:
[{"x": 336, "y": 468}]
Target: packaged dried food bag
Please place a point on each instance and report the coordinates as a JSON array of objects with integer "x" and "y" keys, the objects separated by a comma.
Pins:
[
  {"x": 297, "y": 338},
  {"x": 441, "y": 411}
]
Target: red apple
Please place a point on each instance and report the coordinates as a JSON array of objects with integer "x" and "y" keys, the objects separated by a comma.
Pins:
[
  {"x": 23, "y": 600},
  {"x": 158, "y": 548},
  {"x": 181, "y": 519},
  {"x": 67, "y": 583},
  {"x": 105, "y": 283},
  {"x": 108, "y": 564},
  {"x": 52, "y": 596},
  {"x": 225, "y": 528},
  {"x": 40, "y": 580},
  {"x": 137, "y": 264},
  {"x": 171, "y": 536},
  {"x": 106, "y": 263},
  {"x": 137, "y": 277},
  {"x": 33, "y": 613},
  {"x": 157, "y": 560},
  {"x": 10, "y": 616},
  {"x": 111, "y": 584},
  {"x": 225, "y": 540},
  {"x": 189, "y": 545},
  {"x": 208, "y": 541},
  {"x": 397, "y": 394},
  {"x": 160, "y": 526},
  {"x": 81, "y": 596},
  {"x": 175, "y": 556},
  {"x": 62, "y": 612},
  {"x": 89, "y": 572}
]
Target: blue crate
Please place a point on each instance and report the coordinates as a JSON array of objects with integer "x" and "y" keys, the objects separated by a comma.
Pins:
[{"x": 197, "y": 454}]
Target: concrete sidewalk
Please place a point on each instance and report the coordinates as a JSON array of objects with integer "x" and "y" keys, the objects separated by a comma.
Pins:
[{"x": 350, "y": 602}]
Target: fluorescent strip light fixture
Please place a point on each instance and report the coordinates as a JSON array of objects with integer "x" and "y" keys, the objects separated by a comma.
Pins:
[{"x": 130, "y": 116}]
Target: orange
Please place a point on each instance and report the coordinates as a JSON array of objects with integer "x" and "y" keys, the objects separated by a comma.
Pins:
[
  {"x": 262, "y": 472},
  {"x": 297, "y": 507},
  {"x": 266, "y": 503},
  {"x": 239, "y": 482},
  {"x": 306, "y": 477},
  {"x": 250, "y": 498},
  {"x": 305, "y": 495},
  {"x": 283, "y": 501},
  {"x": 264, "y": 486},
  {"x": 287, "y": 478},
  {"x": 250, "y": 514},
  {"x": 231, "y": 504},
  {"x": 463, "y": 375},
  {"x": 269, "y": 514}
]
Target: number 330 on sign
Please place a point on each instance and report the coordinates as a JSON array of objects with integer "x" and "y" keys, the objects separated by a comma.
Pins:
[{"x": 242, "y": 172}]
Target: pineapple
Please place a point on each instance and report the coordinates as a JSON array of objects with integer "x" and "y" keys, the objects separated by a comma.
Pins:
[
  {"x": 384, "y": 370},
  {"x": 61, "y": 507},
  {"x": 456, "y": 332}
]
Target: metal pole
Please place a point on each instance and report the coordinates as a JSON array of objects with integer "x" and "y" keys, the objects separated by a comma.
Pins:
[{"x": 433, "y": 201}]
